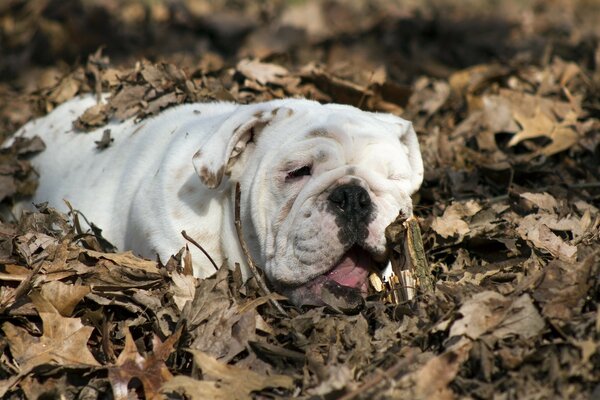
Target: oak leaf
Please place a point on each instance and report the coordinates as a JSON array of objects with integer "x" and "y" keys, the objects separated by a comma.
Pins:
[
  {"x": 151, "y": 370},
  {"x": 63, "y": 343}
]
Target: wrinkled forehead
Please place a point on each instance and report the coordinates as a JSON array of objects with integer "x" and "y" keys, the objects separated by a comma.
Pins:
[{"x": 334, "y": 122}]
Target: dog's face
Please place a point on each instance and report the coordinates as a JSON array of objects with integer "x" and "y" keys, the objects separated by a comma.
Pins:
[{"x": 319, "y": 185}]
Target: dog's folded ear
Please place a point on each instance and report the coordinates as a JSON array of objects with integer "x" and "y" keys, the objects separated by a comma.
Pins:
[
  {"x": 408, "y": 137},
  {"x": 224, "y": 147}
]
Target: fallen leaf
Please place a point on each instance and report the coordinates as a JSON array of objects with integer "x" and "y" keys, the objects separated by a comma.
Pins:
[
  {"x": 151, "y": 370},
  {"x": 543, "y": 201},
  {"x": 432, "y": 380},
  {"x": 125, "y": 259},
  {"x": 96, "y": 115},
  {"x": 183, "y": 288},
  {"x": 452, "y": 222},
  {"x": 64, "y": 297},
  {"x": 541, "y": 124},
  {"x": 337, "y": 379},
  {"x": 490, "y": 313},
  {"x": 563, "y": 288},
  {"x": 532, "y": 127},
  {"x": 63, "y": 342},
  {"x": 66, "y": 89},
  {"x": 261, "y": 72},
  {"x": 535, "y": 229}
]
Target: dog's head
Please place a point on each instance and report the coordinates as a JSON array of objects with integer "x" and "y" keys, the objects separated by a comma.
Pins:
[{"x": 319, "y": 185}]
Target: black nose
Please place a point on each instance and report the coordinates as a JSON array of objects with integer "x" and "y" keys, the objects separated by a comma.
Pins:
[{"x": 350, "y": 201}]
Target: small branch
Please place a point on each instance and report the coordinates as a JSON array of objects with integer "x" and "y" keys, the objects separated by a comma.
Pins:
[
  {"x": 192, "y": 241},
  {"x": 238, "y": 228}
]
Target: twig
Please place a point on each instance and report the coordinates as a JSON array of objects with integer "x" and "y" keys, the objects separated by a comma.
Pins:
[
  {"x": 192, "y": 241},
  {"x": 259, "y": 280}
]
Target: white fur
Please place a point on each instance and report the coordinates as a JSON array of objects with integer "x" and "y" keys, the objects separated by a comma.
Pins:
[{"x": 144, "y": 189}]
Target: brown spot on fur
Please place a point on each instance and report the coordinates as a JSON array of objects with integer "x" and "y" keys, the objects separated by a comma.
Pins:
[
  {"x": 211, "y": 178},
  {"x": 350, "y": 171},
  {"x": 289, "y": 112},
  {"x": 319, "y": 133}
]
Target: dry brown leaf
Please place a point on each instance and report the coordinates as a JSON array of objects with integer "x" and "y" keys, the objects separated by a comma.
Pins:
[
  {"x": 490, "y": 313},
  {"x": 473, "y": 78},
  {"x": 126, "y": 259},
  {"x": 535, "y": 228},
  {"x": 541, "y": 124},
  {"x": 183, "y": 288},
  {"x": 151, "y": 370},
  {"x": 241, "y": 381},
  {"x": 65, "y": 90},
  {"x": 338, "y": 377},
  {"x": 262, "y": 73},
  {"x": 543, "y": 201},
  {"x": 96, "y": 115},
  {"x": 127, "y": 102},
  {"x": 529, "y": 105},
  {"x": 432, "y": 380},
  {"x": 215, "y": 320},
  {"x": 452, "y": 222},
  {"x": 64, "y": 297},
  {"x": 563, "y": 288},
  {"x": 429, "y": 96},
  {"x": 63, "y": 342}
]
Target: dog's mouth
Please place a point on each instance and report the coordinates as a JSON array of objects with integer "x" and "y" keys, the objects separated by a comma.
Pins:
[
  {"x": 343, "y": 287},
  {"x": 352, "y": 271}
]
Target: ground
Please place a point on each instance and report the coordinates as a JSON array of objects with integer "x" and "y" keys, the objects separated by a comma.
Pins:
[{"x": 505, "y": 98}]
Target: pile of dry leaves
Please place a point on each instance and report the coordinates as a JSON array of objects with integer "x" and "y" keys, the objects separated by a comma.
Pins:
[{"x": 510, "y": 133}]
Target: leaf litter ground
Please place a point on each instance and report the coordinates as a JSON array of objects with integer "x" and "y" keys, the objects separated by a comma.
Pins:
[{"x": 507, "y": 113}]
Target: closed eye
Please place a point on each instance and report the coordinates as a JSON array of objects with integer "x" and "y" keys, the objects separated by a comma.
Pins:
[{"x": 305, "y": 170}]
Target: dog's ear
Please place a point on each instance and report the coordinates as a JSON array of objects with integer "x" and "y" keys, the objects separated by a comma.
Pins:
[
  {"x": 408, "y": 137},
  {"x": 223, "y": 147}
]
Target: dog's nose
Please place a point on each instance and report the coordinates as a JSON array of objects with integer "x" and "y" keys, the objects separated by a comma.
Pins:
[{"x": 351, "y": 201}]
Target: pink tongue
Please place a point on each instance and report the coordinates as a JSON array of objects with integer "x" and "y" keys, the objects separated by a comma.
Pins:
[{"x": 353, "y": 269}]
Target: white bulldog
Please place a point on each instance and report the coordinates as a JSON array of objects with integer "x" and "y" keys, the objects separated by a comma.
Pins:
[{"x": 319, "y": 184}]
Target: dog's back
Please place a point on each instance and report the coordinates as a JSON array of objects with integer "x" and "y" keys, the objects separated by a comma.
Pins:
[{"x": 101, "y": 182}]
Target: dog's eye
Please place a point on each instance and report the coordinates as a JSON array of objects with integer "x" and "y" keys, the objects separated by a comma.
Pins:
[{"x": 298, "y": 173}]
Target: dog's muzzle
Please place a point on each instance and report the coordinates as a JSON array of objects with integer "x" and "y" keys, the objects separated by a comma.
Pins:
[
  {"x": 346, "y": 281},
  {"x": 352, "y": 206}
]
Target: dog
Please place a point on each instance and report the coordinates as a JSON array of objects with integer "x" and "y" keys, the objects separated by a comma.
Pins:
[{"x": 319, "y": 184}]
